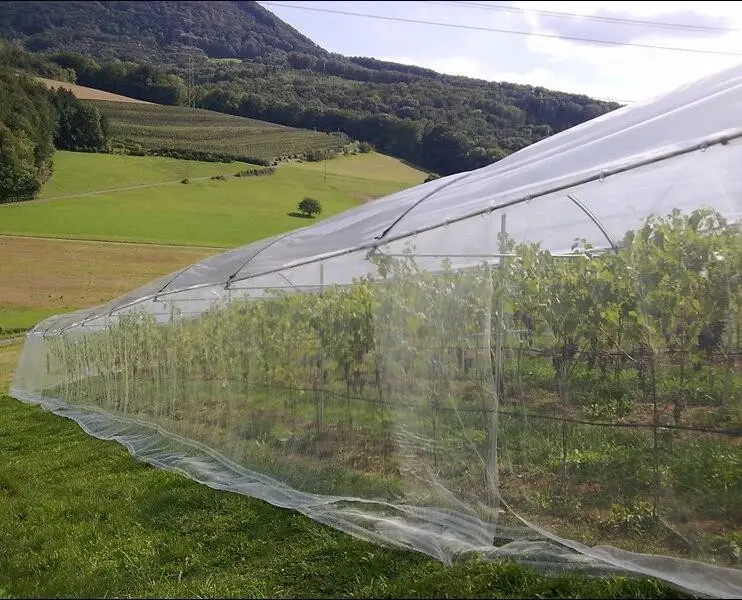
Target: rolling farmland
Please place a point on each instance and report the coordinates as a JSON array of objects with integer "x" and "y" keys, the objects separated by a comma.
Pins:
[
  {"x": 142, "y": 127},
  {"x": 139, "y": 199},
  {"x": 198, "y": 133}
]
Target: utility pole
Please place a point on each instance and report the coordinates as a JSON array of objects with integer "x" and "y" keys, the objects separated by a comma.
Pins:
[{"x": 191, "y": 100}]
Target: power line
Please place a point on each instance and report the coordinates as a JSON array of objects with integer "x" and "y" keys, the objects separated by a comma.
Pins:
[
  {"x": 567, "y": 15},
  {"x": 508, "y": 31}
]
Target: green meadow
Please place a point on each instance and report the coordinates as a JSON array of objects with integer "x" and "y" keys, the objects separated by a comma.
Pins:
[
  {"x": 204, "y": 212},
  {"x": 76, "y": 173}
]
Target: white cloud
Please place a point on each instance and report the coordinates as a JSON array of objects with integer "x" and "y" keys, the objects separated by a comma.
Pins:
[
  {"x": 623, "y": 73},
  {"x": 636, "y": 73},
  {"x": 469, "y": 67}
]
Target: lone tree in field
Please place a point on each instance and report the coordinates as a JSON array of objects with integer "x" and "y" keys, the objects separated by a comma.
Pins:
[{"x": 310, "y": 207}]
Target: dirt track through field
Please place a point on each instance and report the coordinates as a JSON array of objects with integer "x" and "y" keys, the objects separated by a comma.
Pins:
[{"x": 122, "y": 242}]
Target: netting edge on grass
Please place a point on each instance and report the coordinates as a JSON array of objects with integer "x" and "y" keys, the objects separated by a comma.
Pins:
[{"x": 444, "y": 536}]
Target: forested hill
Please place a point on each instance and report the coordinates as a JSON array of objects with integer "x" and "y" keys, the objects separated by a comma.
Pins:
[
  {"x": 134, "y": 30},
  {"x": 157, "y": 51}
]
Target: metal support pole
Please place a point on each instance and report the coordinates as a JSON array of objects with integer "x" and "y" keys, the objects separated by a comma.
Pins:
[
  {"x": 319, "y": 378},
  {"x": 499, "y": 301}
]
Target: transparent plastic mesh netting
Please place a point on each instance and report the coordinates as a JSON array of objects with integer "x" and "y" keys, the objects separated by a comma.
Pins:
[{"x": 538, "y": 360}]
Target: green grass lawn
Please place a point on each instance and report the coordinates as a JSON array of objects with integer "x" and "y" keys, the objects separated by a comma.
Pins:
[
  {"x": 76, "y": 173},
  {"x": 204, "y": 213},
  {"x": 44, "y": 277},
  {"x": 376, "y": 167},
  {"x": 14, "y": 319}
]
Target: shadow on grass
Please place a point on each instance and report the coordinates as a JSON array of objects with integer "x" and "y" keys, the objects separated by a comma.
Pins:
[{"x": 300, "y": 215}]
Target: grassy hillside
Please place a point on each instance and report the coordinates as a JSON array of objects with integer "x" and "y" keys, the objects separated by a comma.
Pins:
[
  {"x": 140, "y": 199},
  {"x": 112, "y": 171},
  {"x": 204, "y": 212},
  {"x": 155, "y": 128},
  {"x": 372, "y": 167}
]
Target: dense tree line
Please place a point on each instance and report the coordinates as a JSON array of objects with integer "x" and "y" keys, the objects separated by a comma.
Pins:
[
  {"x": 14, "y": 56},
  {"x": 143, "y": 81},
  {"x": 443, "y": 123},
  {"x": 26, "y": 137},
  {"x": 33, "y": 120},
  {"x": 80, "y": 126}
]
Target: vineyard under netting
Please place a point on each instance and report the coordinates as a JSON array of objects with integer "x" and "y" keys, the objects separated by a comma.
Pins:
[{"x": 595, "y": 395}]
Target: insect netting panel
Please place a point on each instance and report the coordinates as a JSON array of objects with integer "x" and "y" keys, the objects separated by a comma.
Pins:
[{"x": 584, "y": 383}]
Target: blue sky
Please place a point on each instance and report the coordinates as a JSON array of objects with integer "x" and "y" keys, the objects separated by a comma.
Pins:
[{"x": 623, "y": 73}]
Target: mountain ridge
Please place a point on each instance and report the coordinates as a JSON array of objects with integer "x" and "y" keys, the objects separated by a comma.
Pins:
[{"x": 213, "y": 27}]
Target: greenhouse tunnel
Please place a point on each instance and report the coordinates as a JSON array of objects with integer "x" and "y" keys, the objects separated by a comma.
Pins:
[{"x": 537, "y": 360}]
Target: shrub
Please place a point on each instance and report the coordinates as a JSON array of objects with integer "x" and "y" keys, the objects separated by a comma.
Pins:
[
  {"x": 310, "y": 207},
  {"x": 319, "y": 154},
  {"x": 193, "y": 155},
  {"x": 255, "y": 172},
  {"x": 365, "y": 147},
  {"x": 351, "y": 149}
]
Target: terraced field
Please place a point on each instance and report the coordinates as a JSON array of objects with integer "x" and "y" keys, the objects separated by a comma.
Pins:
[{"x": 156, "y": 128}]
